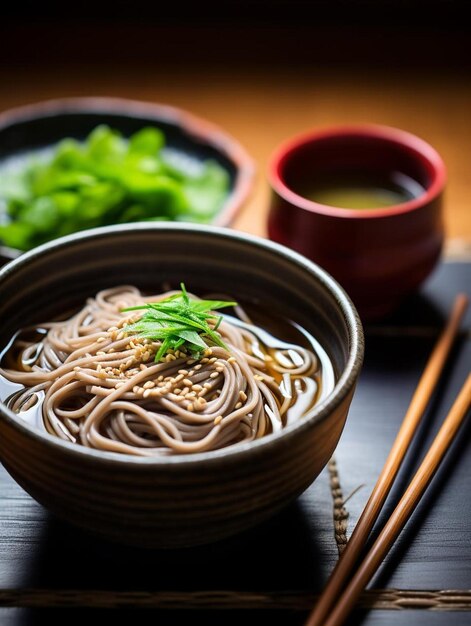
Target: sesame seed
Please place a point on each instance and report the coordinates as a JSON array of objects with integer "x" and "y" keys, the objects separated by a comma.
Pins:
[
  {"x": 258, "y": 377},
  {"x": 197, "y": 388},
  {"x": 147, "y": 393},
  {"x": 202, "y": 401},
  {"x": 238, "y": 405},
  {"x": 203, "y": 392},
  {"x": 160, "y": 378},
  {"x": 177, "y": 391},
  {"x": 191, "y": 361},
  {"x": 213, "y": 360},
  {"x": 190, "y": 407},
  {"x": 192, "y": 394},
  {"x": 149, "y": 384},
  {"x": 205, "y": 360},
  {"x": 183, "y": 372},
  {"x": 101, "y": 339},
  {"x": 207, "y": 385},
  {"x": 217, "y": 420},
  {"x": 242, "y": 396},
  {"x": 197, "y": 367},
  {"x": 219, "y": 368},
  {"x": 231, "y": 359},
  {"x": 178, "y": 378},
  {"x": 187, "y": 382},
  {"x": 214, "y": 375}
]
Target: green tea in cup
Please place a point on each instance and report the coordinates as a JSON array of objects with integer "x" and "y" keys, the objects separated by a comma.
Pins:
[{"x": 351, "y": 189}]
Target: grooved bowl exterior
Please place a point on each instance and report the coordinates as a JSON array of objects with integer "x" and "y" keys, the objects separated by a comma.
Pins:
[{"x": 182, "y": 500}]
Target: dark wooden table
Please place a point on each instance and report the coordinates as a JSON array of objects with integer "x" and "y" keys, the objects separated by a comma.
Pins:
[{"x": 51, "y": 573}]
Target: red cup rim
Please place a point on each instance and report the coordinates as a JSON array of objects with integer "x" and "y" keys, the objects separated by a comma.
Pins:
[{"x": 388, "y": 133}]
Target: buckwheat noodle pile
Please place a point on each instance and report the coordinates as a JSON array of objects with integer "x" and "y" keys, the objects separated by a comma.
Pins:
[{"x": 102, "y": 389}]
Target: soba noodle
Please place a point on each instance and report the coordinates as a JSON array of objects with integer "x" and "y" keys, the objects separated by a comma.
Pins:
[{"x": 98, "y": 386}]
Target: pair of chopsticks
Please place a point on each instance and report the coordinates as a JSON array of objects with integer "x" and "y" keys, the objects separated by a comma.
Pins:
[{"x": 343, "y": 588}]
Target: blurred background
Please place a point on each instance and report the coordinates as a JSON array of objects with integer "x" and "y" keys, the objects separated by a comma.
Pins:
[{"x": 262, "y": 70}]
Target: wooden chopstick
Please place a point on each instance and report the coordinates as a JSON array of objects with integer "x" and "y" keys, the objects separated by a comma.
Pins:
[
  {"x": 405, "y": 507},
  {"x": 412, "y": 418}
]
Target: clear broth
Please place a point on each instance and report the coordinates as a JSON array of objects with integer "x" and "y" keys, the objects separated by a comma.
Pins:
[{"x": 310, "y": 390}]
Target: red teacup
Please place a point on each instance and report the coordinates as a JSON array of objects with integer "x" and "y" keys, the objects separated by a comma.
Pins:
[{"x": 379, "y": 255}]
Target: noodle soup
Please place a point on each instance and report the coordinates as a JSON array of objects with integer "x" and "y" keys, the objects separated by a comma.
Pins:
[{"x": 163, "y": 374}]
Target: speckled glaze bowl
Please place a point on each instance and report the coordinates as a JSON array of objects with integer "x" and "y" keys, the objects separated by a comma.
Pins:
[{"x": 180, "y": 500}]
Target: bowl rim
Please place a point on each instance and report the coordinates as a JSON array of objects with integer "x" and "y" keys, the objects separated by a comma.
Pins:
[
  {"x": 193, "y": 125},
  {"x": 344, "y": 385},
  {"x": 393, "y": 135}
]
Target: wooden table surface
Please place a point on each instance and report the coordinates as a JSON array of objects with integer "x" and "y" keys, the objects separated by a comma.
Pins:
[
  {"x": 51, "y": 573},
  {"x": 261, "y": 104}
]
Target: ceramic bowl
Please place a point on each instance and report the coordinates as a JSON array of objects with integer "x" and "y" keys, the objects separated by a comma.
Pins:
[
  {"x": 378, "y": 255},
  {"x": 34, "y": 127},
  {"x": 187, "y": 499}
]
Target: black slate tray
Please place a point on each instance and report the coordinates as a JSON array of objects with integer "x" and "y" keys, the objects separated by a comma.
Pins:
[{"x": 272, "y": 573}]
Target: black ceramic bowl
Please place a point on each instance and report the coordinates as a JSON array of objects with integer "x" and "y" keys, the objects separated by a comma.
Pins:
[
  {"x": 186, "y": 499},
  {"x": 30, "y": 128}
]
